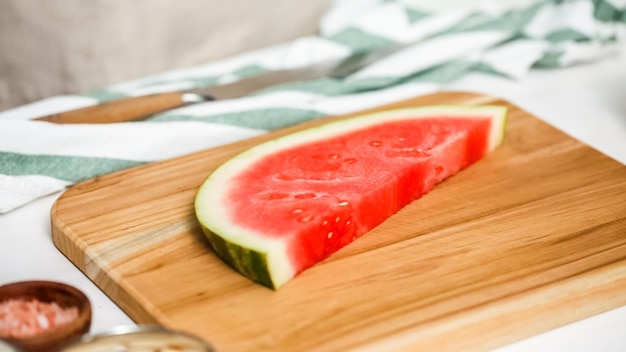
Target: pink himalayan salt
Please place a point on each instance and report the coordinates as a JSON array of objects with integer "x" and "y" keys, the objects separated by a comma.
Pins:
[{"x": 20, "y": 318}]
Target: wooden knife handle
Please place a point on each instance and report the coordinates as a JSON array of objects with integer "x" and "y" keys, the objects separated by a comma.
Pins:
[{"x": 121, "y": 110}]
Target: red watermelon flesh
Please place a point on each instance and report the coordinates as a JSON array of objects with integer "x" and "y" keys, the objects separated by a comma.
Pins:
[{"x": 287, "y": 204}]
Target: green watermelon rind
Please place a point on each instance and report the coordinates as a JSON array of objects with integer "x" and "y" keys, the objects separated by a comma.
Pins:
[
  {"x": 248, "y": 262},
  {"x": 264, "y": 260}
]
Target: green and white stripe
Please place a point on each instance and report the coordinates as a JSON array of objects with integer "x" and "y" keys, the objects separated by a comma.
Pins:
[{"x": 445, "y": 41}]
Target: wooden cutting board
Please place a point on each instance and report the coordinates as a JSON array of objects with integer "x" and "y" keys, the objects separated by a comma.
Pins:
[{"x": 528, "y": 239}]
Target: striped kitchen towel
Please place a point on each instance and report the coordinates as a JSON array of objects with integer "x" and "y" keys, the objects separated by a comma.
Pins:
[{"x": 504, "y": 38}]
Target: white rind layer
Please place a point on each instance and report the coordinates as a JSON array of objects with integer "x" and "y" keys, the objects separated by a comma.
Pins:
[{"x": 210, "y": 200}]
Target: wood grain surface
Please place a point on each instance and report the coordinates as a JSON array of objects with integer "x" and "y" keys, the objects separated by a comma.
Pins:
[{"x": 528, "y": 239}]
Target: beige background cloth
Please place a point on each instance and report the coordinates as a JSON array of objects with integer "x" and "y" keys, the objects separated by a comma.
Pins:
[{"x": 53, "y": 47}]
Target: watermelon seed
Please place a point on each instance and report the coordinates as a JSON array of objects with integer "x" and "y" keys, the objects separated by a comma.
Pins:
[
  {"x": 325, "y": 222},
  {"x": 334, "y": 156},
  {"x": 350, "y": 161},
  {"x": 305, "y": 218},
  {"x": 304, "y": 196},
  {"x": 342, "y": 204},
  {"x": 406, "y": 153},
  {"x": 285, "y": 177},
  {"x": 348, "y": 222},
  {"x": 337, "y": 219},
  {"x": 272, "y": 196},
  {"x": 297, "y": 211},
  {"x": 376, "y": 143},
  {"x": 330, "y": 234},
  {"x": 320, "y": 177},
  {"x": 421, "y": 151}
]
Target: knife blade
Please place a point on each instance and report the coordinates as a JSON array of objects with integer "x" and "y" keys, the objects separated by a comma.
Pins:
[{"x": 140, "y": 107}]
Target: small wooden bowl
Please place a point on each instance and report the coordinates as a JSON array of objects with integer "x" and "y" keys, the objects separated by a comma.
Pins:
[
  {"x": 48, "y": 291},
  {"x": 141, "y": 338}
]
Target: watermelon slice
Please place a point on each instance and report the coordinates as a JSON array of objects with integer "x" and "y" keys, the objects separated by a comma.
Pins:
[{"x": 284, "y": 205}]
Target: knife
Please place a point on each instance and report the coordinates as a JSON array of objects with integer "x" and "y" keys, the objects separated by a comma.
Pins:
[{"x": 140, "y": 107}]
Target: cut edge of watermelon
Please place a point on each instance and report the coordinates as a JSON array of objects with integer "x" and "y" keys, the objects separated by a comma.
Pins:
[{"x": 264, "y": 260}]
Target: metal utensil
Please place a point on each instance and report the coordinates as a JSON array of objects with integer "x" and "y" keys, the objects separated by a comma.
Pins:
[{"x": 140, "y": 107}]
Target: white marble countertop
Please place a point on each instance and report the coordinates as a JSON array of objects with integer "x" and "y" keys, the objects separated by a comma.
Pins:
[{"x": 587, "y": 101}]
